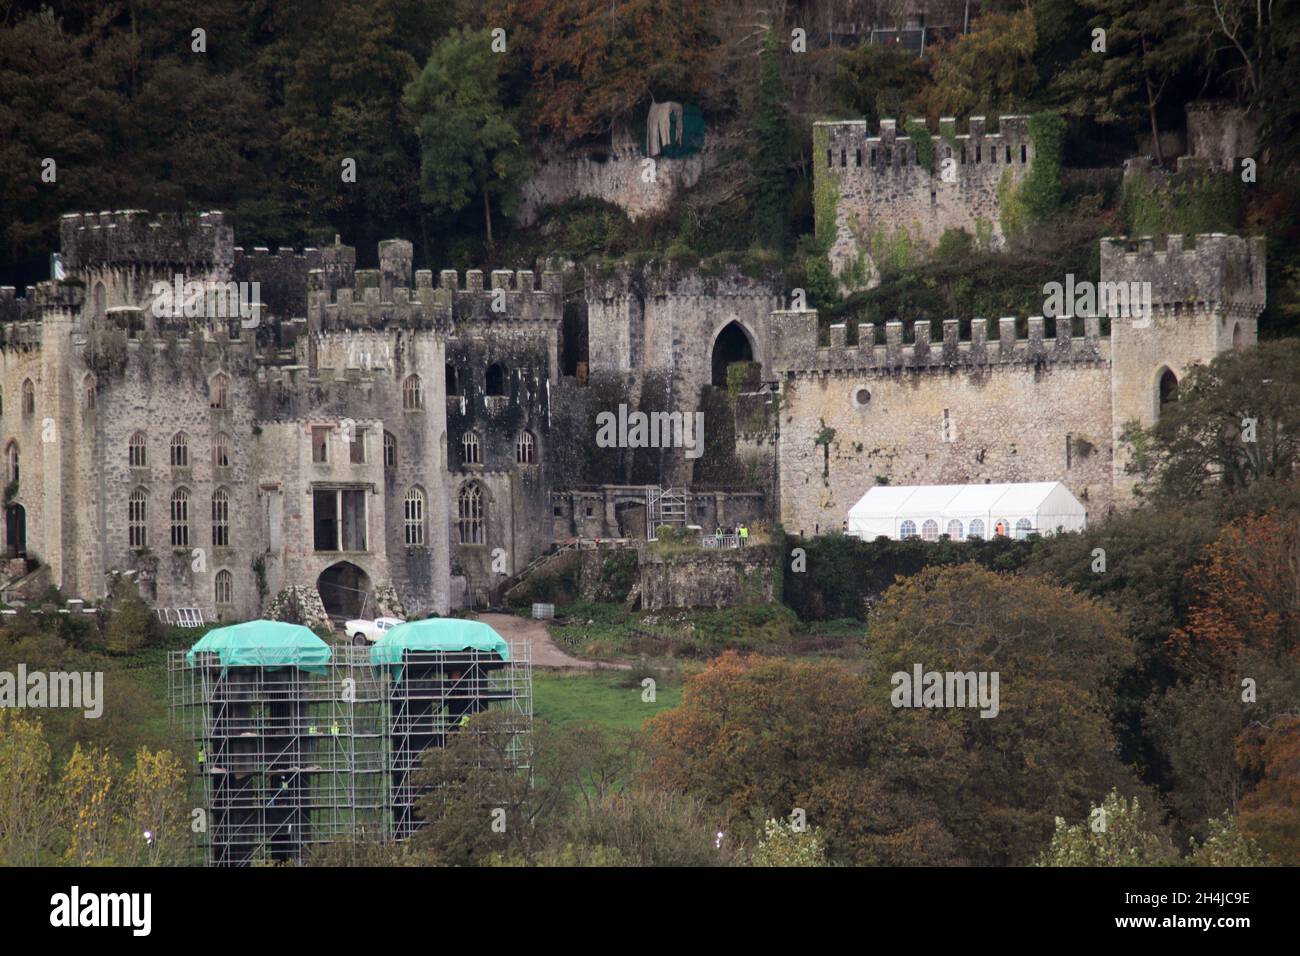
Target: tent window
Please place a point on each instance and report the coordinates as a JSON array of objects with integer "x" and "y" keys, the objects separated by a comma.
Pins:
[
  {"x": 930, "y": 530},
  {"x": 954, "y": 530},
  {"x": 1023, "y": 527},
  {"x": 907, "y": 529},
  {"x": 976, "y": 529}
]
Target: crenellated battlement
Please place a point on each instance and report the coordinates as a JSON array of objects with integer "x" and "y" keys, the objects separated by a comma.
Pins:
[
  {"x": 848, "y": 146},
  {"x": 1191, "y": 273},
  {"x": 799, "y": 347},
  {"x": 133, "y": 237}
]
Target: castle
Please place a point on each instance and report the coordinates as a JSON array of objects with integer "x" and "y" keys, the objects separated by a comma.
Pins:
[{"x": 368, "y": 440}]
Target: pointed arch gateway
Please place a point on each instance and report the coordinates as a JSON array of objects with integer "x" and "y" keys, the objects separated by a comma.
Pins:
[
  {"x": 344, "y": 590},
  {"x": 732, "y": 344}
]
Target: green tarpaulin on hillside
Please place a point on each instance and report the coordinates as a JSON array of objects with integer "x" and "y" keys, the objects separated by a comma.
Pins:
[
  {"x": 269, "y": 644},
  {"x": 436, "y": 634}
]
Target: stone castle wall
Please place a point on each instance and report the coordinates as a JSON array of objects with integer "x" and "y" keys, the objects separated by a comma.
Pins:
[{"x": 878, "y": 194}]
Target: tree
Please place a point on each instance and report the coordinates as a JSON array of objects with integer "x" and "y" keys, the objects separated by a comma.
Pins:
[
  {"x": 1118, "y": 832},
  {"x": 154, "y": 815},
  {"x": 771, "y": 143},
  {"x": 130, "y": 625},
  {"x": 86, "y": 795},
  {"x": 589, "y": 63},
  {"x": 468, "y": 143},
  {"x": 782, "y": 845},
  {"x": 1147, "y": 46},
  {"x": 1226, "y": 845},
  {"x": 1236, "y": 421},
  {"x": 26, "y": 820},
  {"x": 1269, "y": 814},
  {"x": 984, "y": 71}
]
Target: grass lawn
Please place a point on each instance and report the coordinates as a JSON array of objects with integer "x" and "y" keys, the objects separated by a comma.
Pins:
[{"x": 595, "y": 698}]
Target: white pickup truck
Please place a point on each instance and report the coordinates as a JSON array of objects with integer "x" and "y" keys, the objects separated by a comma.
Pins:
[{"x": 363, "y": 631}]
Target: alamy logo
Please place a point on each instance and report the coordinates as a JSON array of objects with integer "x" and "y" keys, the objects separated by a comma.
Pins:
[
  {"x": 651, "y": 430},
  {"x": 208, "y": 300},
  {"x": 1118, "y": 300},
  {"x": 923, "y": 688},
  {"x": 78, "y": 690},
  {"x": 73, "y": 909}
]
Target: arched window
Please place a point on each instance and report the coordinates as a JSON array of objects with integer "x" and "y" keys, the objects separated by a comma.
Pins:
[
  {"x": 1023, "y": 527},
  {"x": 1001, "y": 528},
  {"x": 88, "y": 385},
  {"x": 930, "y": 530},
  {"x": 452, "y": 381},
  {"x": 221, "y": 450},
  {"x": 100, "y": 300},
  {"x": 1168, "y": 387},
  {"x": 390, "y": 451},
  {"x": 470, "y": 451},
  {"x": 180, "y": 450},
  {"x": 29, "y": 398},
  {"x": 413, "y": 517},
  {"x": 220, "y": 519},
  {"x": 907, "y": 529},
  {"x": 524, "y": 448},
  {"x": 220, "y": 390},
  {"x": 136, "y": 513},
  {"x": 412, "y": 397},
  {"x": 11, "y": 462},
  {"x": 955, "y": 530},
  {"x": 180, "y": 518},
  {"x": 137, "y": 455},
  {"x": 224, "y": 587},
  {"x": 469, "y": 510},
  {"x": 976, "y": 529},
  {"x": 1236, "y": 336},
  {"x": 495, "y": 380}
]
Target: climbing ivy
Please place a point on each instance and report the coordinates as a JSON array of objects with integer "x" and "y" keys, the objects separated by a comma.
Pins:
[{"x": 922, "y": 143}]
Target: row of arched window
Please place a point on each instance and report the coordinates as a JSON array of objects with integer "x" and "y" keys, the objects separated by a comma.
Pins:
[
  {"x": 957, "y": 532},
  {"x": 137, "y": 518},
  {"x": 471, "y": 448},
  {"x": 178, "y": 450}
]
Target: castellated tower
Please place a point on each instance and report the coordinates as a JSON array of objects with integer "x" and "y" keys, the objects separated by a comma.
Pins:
[
  {"x": 877, "y": 195},
  {"x": 1206, "y": 294}
]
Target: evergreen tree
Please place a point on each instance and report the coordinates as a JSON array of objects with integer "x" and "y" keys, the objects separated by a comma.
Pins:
[{"x": 770, "y": 144}]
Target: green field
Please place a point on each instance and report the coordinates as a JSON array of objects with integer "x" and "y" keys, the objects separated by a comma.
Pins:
[{"x": 595, "y": 698}]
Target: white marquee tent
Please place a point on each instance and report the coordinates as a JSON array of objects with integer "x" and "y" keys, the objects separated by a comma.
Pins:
[{"x": 966, "y": 511}]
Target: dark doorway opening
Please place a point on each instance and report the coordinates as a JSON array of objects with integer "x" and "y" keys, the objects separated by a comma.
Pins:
[
  {"x": 344, "y": 590},
  {"x": 495, "y": 380},
  {"x": 16, "y": 531},
  {"x": 573, "y": 355},
  {"x": 1168, "y": 387},
  {"x": 731, "y": 346}
]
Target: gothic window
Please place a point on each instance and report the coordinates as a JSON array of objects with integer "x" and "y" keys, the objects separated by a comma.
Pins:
[
  {"x": 136, "y": 512},
  {"x": 180, "y": 450},
  {"x": 469, "y": 508},
  {"x": 524, "y": 448},
  {"x": 220, "y": 391},
  {"x": 390, "y": 451},
  {"x": 413, "y": 517},
  {"x": 180, "y": 518},
  {"x": 11, "y": 462},
  {"x": 29, "y": 398},
  {"x": 495, "y": 380},
  {"x": 930, "y": 530},
  {"x": 221, "y": 450},
  {"x": 88, "y": 385},
  {"x": 412, "y": 398},
  {"x": 471, "y": 453},
  {"x": 224, "y": 587},
  {"x": 220, "y": 519},
  {"x": 100, "y": 303},
  {"x": 137, "y": 455}
]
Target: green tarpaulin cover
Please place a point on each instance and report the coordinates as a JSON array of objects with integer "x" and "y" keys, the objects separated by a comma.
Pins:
[
  {"x": 269, "y": 644},
  {"x": 436, "y": 634}
]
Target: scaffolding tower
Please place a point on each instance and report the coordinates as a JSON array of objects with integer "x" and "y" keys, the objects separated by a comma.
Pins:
[{"x": 289, "y": 757}]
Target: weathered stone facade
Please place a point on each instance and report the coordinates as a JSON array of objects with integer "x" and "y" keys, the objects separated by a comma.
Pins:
[
  {"x": 225, "y": 460},
  {"x": 1026, "y": 406},
  {"x": 874, "y": 192}
]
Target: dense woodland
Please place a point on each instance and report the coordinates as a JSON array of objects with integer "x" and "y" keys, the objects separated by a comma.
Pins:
[{"x": 1151, "y": 665}]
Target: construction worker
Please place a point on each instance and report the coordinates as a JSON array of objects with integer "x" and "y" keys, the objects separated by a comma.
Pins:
[
  {"x": 717, "y": 532},
  {"x": 334, "y": 729},
  {"x": 744, "y": 535},
  {"x": 464, "y": 720},
  {"x": 311, "y": 730},
  {"x": 202, "y": 757}
]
